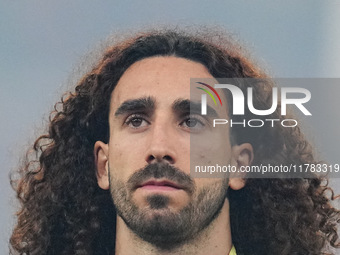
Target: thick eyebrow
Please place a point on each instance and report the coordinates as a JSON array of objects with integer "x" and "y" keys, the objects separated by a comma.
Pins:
[
  {"x": 187, "y": 106},
  {"x": 144, "y": 104}
]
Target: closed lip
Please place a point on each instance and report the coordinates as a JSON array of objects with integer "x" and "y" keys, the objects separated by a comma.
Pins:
[{"x": 161, "y": 183}]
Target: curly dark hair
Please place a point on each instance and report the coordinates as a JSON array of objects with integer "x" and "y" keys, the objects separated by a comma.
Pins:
[{"x": 63, "y": 211}]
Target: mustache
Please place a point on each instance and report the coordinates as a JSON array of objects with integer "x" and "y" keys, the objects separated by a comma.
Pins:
[{"x": 158, "y": 171}]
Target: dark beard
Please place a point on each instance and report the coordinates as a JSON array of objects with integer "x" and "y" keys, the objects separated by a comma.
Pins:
[{"x": 158, "y": 224}]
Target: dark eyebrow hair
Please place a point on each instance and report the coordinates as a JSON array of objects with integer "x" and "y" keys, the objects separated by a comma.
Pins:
[
  {"x": 187, "y": 106},
  {"x": 145, "y": 104}
]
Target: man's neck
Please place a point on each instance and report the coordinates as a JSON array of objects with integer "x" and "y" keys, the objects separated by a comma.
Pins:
[{"x": 215, "y": 239}]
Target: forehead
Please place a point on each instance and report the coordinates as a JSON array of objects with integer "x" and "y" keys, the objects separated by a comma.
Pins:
[{"x": 164, "y": 78}]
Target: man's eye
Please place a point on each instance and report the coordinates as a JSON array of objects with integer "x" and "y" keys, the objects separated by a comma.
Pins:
[
  {"x": 192, "y": 123},
  {"x": 136, "y": 121}
]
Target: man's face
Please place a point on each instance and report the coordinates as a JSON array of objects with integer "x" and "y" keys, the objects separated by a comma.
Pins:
[{"x": 149, "y": 152}]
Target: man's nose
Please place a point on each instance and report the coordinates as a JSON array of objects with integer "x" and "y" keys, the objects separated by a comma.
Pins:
[{"x": 162, "y": 145}]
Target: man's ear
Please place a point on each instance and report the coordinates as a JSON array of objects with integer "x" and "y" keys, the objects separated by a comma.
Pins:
[
  {"x": 242, "y": 155},
  {"x": 101, "y": 160}
]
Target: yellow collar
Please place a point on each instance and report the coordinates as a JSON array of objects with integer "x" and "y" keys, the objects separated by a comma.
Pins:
[{"x": 232, "y": 251}]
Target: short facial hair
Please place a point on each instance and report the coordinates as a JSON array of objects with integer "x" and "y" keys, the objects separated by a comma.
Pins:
[{"x": 157, "y": 224}]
